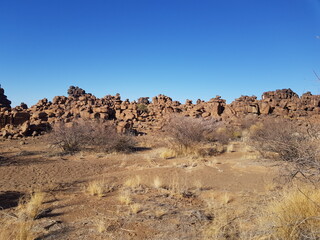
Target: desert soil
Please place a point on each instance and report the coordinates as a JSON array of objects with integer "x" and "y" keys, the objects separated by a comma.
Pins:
[{"x": 167, "y": 198}]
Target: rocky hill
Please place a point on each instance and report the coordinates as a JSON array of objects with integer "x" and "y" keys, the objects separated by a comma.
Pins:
[{"x": 144, "y": 115}]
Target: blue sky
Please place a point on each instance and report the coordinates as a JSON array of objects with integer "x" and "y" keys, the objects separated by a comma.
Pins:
[{"x": 182, "y": 48}]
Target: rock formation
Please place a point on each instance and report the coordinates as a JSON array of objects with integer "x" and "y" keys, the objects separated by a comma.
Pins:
[
  {"x": 4, "y": 102},
  {"x": 143, "y": 115}
]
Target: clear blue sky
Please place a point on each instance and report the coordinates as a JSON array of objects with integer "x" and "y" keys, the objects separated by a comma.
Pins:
[{"x": 182, "y": 48}]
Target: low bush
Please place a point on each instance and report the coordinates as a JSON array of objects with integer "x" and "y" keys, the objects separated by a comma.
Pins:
[
  {"x": 187, "y": 136},
  {"x": 81, "y": 135},
  {"x": 187, "y": 131},
  {"x": 69, "y": 138},
  {"x": 142, "y": 108},
  {"x": 104, "y": 137},
  {"x": 289, "y": 141}
]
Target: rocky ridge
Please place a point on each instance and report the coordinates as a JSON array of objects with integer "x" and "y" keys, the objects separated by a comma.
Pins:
[{"x": 143, "y": 115}]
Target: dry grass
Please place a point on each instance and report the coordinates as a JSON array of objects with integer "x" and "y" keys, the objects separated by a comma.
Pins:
[
  {"x": 133, "y": 182},
  {"x": 179, "y": 188},
  {"x": 101, "y": 226},
  {"x": 22, "y": 227},
  {"x": 168, "y": 153},
  {"x": 25, "y": 231},
  {"x": 125, "y": 197},
  {"x": 150, "y": 141},
  {"x": 160, "y": 212},
  {"x": 96, "y": 188},
  {"x": 225, "y": 225},
  {"x": 20, "y": 230},
  {"x": 135, "y": 208},
  {"x": 295, "y": 215},
  {"x": 292, "y": 214},
  {"x": 157, "y": 183},
  {"x": 196, "y": 151},
  {"x": 227, "y": 198},
  {"x": 32, "y": 208}
]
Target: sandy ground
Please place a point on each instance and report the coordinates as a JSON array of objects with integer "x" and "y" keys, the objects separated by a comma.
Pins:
[{"x": 168, "y": 198}]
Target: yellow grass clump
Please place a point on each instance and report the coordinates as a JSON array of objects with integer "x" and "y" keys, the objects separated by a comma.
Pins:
[
  {"x": 295, "y": 215},
  {"x": 96, "y": 188},
  {"x": 157, "y": 183},
  {"x": 101, "y": 226},
  {"x": 32, "y": 208},
  {"x": 25, "y": 231},
  {"x": 20, "y": 230},
  {"x": 125, "y": 198},
  {"x": 133, "y": 182},
  {"x": 225, "y": 225},
  {"x": 194, "y": 151},
  {"x": 136, "y": 208}
]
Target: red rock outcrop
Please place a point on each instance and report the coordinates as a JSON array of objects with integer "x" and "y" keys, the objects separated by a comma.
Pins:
[
  {"x": 4, "y": 102},
  {"x": 143, "y": 115}
]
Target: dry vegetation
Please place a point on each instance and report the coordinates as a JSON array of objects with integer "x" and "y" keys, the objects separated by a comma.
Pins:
[
  {"x": 188, "y": 136},
  {"x": 294, "y": 214},
  {"x": 288, "y": 141},
  {"x": 144, "y": 196},
  {"x": 21, "y": 226},
  {"x": 84, "y": 135}
]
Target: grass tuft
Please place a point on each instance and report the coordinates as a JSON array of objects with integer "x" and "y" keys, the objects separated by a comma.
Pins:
[
  {"x": 32, "y": 208},
  {"x": 96, "y": 188},
  {"x": 295, "y": 215}
]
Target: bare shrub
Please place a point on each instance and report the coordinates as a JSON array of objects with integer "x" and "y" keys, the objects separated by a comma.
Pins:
[
  {"x": 289, "y": 141},
  {"x": 190, "y": 136},
  {"x": 224, "y": 133},
  {"x": 185, "y": 134},
  {"x": 187, "y": 131},
  {"x": 69, "y": 137},
  {"x": 81, "y": 135},
  {"x": 104, "y": 136}
]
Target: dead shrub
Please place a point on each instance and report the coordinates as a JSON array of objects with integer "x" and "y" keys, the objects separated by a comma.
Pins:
[
  {"x": 289, "y": 141},
  {"x": 104, "y": 136},
  {"x": 187, "y": 131},
  {"x": 96, "y": 135},
  {"x": 69, "y": 138},
  {"x": 187, "y": 136}
]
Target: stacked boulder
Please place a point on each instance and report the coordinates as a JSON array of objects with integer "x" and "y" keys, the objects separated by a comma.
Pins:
[
  {"x": 285, "y": 102},
  {"x": 144, "y": 116},
  {"x": 213, "y": 108},
  {"x": 4, "y": 102},
  {"x": 243, "y": 105}
]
